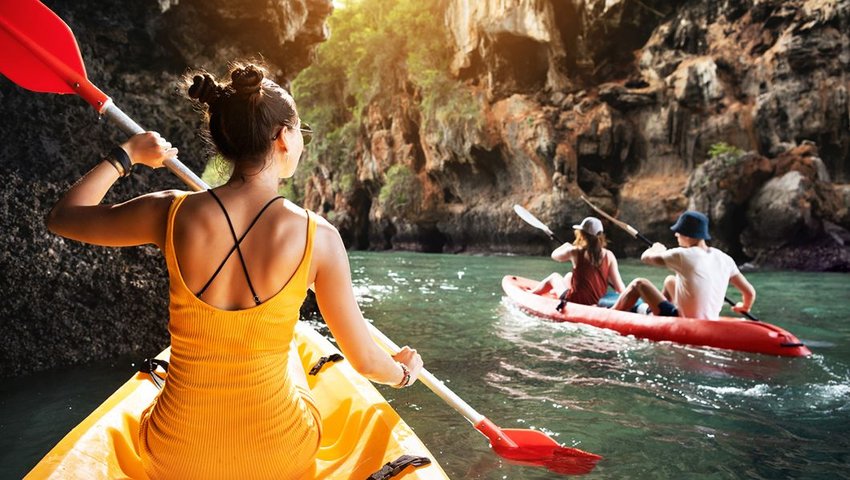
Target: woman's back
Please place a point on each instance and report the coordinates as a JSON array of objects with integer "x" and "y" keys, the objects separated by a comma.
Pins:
[
  {"x": 589, "y": 281},
  {"x": 229, "y": 406},
  {"x": 272, "y": 249}
]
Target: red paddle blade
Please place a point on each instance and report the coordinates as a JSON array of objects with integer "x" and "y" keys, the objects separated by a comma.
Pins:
[
  {"x": 38, "y": 51},
  {"x": 24, "y": 23},
  {"x": 533, "y": 448}
]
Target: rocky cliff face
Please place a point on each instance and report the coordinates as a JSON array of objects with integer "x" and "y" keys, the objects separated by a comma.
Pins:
[
  {"x": 618, "y": 99},
  {"x": 622, "y": 101},
  {"x": 63, "y": 302}
]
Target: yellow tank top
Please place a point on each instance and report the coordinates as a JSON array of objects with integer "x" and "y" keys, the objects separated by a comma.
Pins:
[{"x": 229, "y": 408}]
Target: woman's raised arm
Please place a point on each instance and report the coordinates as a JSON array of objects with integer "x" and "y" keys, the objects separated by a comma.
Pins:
[
  {"x": 564, "y": 253},
  {"x": 79, "y": 215}
]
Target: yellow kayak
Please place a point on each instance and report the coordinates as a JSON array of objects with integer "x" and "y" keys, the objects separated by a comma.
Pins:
[{"x": 361, "y": 432}]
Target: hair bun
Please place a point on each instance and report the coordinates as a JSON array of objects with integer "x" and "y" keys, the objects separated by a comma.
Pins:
[
  {"x": 247, "y": 80},
  {"x": 205, "y": 89}
]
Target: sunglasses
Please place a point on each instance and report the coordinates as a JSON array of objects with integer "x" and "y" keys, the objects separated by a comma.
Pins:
[{"x": 306, "y": 133}]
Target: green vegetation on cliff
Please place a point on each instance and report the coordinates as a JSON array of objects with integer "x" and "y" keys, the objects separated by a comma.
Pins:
[
  {"x": 730, "y": 152},
  {"x": 401, "y": 190},
  {"x": 377, "y": 51}
]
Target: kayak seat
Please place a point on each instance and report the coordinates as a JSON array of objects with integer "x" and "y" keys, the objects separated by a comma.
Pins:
[
  {"x": 610, "y": 298},
  {"x": 126, "y": 449}
]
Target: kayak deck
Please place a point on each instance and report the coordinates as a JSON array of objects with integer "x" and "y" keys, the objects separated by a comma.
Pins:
[
  {"x": 726, "y": 333},
  {"x": 361, "y": 432}
]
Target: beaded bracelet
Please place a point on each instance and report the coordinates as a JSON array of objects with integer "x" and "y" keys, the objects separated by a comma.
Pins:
[{"x": 405, "y": 379}]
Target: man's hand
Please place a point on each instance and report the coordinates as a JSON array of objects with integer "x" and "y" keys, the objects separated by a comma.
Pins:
[
  {"x": 747, "y": 291},
  {"x": 657, "y": 248},
  {"x": 740, "y": 308},
  {"x": 652, "y": 254}
]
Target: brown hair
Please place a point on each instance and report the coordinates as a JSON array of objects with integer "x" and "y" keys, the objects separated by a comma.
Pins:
[
  {"x": 591, "y": 246},
  {"x": 245, "y": 114}
]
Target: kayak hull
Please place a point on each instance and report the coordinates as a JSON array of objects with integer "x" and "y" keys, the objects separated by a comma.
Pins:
[
  {"x": 360, "y": 433},
  {"x": 725, "y": 333}
]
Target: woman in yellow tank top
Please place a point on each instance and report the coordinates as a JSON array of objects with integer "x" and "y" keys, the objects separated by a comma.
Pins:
[{"x": 240, "y": 258}]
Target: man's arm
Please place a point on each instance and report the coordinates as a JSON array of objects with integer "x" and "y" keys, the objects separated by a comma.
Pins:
[
  {"x": 747, "y": 292},
  {"x": 654, "y": 255}
]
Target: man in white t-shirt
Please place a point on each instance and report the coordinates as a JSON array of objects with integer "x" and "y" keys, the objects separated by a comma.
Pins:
[{"x": 702, "y": 275}]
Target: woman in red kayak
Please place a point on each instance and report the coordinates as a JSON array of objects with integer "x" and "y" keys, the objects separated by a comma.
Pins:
[
  {"x": 240, "y": 259},
  {"x": 594, "y": 266}
]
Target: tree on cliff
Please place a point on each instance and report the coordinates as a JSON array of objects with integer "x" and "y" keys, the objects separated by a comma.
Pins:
[{"x": 376, "y": 50}]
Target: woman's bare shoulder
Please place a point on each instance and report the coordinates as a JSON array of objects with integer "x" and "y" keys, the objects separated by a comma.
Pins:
[
  {"x": 157, "y": 203},
  {"x": 326, "y": 231},
  {"x": 163, "y": 196},
  {"x": 154, "y": 208},
  {"x": 191, "y": 206},
  {"x": 326, "y": 234},
  {"x": 329, "y": 251}
]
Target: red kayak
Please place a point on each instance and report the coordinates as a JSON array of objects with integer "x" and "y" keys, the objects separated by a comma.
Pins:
[{"x": 728, "y": 333}]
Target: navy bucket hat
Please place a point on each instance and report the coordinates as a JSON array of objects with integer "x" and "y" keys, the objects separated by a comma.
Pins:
[{"x": 692, "y": 224}]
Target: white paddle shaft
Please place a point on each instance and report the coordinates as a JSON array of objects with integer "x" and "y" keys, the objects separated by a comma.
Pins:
[{"x": 435, "y": 385}]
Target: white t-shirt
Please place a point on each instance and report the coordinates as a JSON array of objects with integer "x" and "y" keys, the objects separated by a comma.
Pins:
[{"x": 701, "y": 280}]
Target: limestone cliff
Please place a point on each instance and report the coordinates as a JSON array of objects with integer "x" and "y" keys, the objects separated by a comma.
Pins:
[
  {"x": 621, "y": 100},
  {"x": 63, "y": 302},
  {"x": 618, "y": 99}
]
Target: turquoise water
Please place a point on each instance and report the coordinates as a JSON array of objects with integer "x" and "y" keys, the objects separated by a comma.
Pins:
[{"x": 653, "y": 410}]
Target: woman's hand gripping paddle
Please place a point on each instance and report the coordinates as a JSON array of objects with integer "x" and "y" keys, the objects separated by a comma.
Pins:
[
  {"x": 519, "y": 446},
  {"x": 39, "y": 52},
  {"x": 635, "y": 234}
]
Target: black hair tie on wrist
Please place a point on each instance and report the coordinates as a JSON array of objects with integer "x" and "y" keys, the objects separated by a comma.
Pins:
[{"x": 117, "y": 156}]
